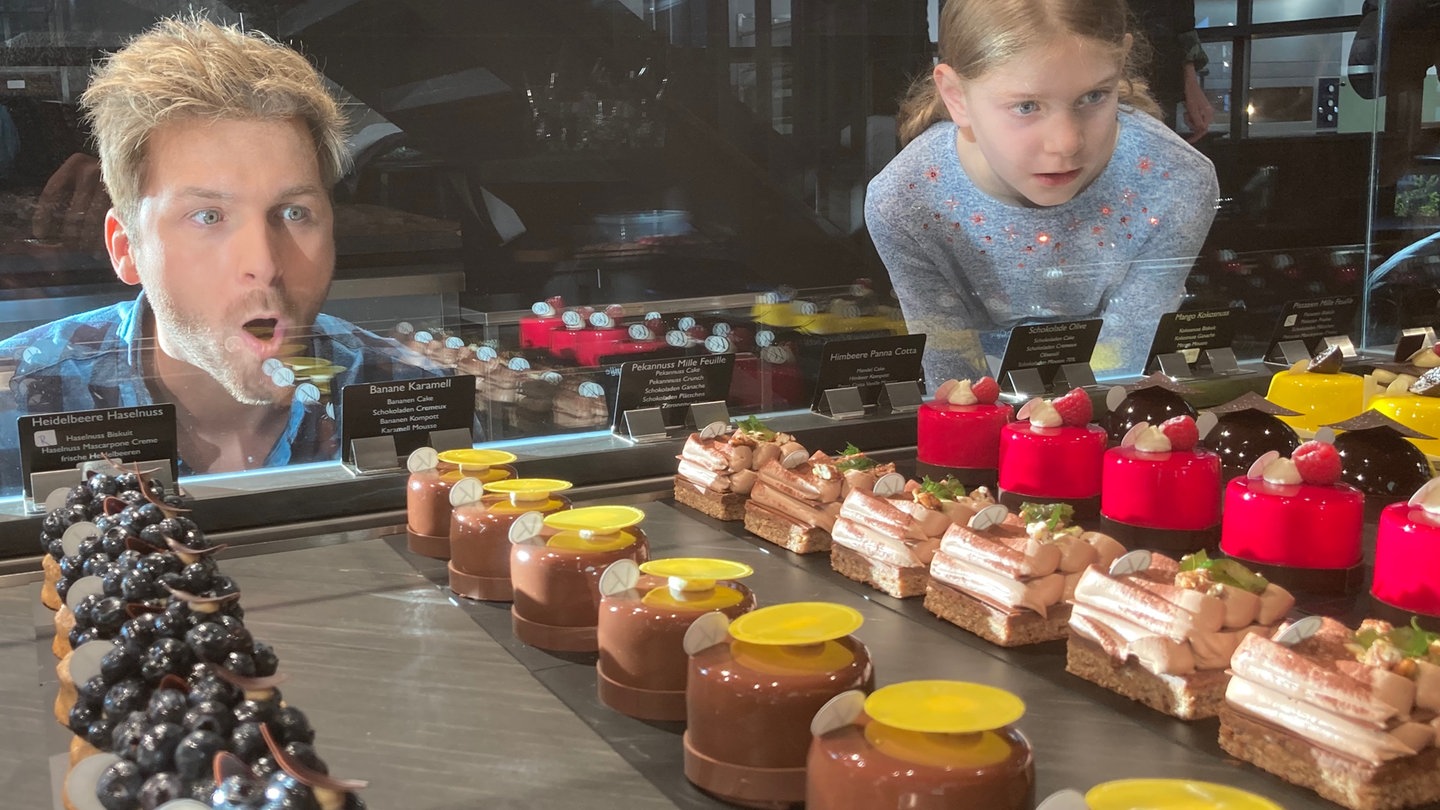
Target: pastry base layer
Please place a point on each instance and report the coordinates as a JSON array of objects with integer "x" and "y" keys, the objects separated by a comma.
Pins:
[
  {"x": 552, "y": 637},
  {"x": 1188, "y": 697},
  {"x": 786, "y": 534},
  {"x": 64, "y": 623},
  {"x": 1399, "y": 783},
  {"x": 644, "y": 704},
  {"x": 427, "y": 545},
  {"x": 485, "y": 589},
  {"x": 901, "y": 583},
  {"x": 49, "y": 597},
  {"x": 745, "y": 786},
  {"x": 1005, "y": 628},
  {"x": 718, "y": 505}
]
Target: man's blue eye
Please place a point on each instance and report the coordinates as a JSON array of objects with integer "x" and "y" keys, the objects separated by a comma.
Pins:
[
  {"x": 209, "y": 216},
  {"x": 294, "y": 213}
]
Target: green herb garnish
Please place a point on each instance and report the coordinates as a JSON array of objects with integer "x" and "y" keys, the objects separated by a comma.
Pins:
[
  {"x": 1053, "y": 515},
  {"x": 852, "y": 459},
  {"x": 755, "y": 427},
  {"x": 1413, "y": 641},
  {"x": 946, "y": 489},
  {"x": 1225, "y": 571}
]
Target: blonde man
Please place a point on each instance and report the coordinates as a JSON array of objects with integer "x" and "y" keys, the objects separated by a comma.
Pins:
[{"x": 219, "y": 149}]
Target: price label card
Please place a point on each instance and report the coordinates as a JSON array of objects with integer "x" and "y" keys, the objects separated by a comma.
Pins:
[
  {"x": 671, "y": 384},
  {"x": 867, "y": 364},
  {"x": 1312, "y": 320},
  {"x": 1046, "y": 347},
  {"x": 409, "y": 410},
  {"x": 1191, "y": 333},
  {"x": 60, "y": 441}
]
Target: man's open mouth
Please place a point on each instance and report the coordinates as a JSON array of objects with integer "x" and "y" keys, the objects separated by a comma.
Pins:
[{"x": 263, "y": 329}]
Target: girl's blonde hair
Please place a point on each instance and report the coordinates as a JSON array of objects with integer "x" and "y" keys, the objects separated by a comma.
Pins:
[
  {"x": 187, "y": 68},
  {"x": 977, "y": 36}
]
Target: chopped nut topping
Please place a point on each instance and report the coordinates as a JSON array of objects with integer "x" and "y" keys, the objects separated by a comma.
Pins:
[
  {"x": 826, "y": 472},
  {"x": 1405, "y": 667},
  {"x": 927, "y": 499},
  {"x": 1196, "y": 579},
  {"x": 740, "y": 439}
]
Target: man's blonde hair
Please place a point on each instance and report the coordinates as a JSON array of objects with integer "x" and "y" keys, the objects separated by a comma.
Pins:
[{"x": 188, "y": 68}]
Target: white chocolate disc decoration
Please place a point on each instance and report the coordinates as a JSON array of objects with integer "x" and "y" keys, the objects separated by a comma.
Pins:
[
  {"x": 685, "y": 323},
  {"x": 775, "y": 355},
  {"x": 466, "y": 491},
  {"x": 307, "y": 393},
  {"x": 639, "y": 331},
  {"x": 1114, "y": 397},
  {"x": 70, "y": 540},
  {"x": 677, "y": 338},
  {"x": 421, "y": 459},
  {"x": 56, "y": 499},
  {"x": 423, "y": 336},
  {"x": 85, "y": 660},
  {"x": 717, "y": 344},
  {"x": 330, "y": 411},
  {"x": 721, "y": 328},
  {"x": 992, "y": 515},
  {"x": 454, "y": 342},
  {"x": 1292, "y": 634},
  {"x": 806, "y": 307},
  {"x": 183, "y": 804},
  {"x": 542, "y": 308},
  {"x": 838, "y": 712},
  {"x": 519, "y": 364},
  {"x": 1325, "y": 434},
  {"x": 943, "y": 392},
  {"x": 654, "y": 315},
  {"x": 794, "y": 459},
  {"x": 84, "y": 586},
  {"x": 619, "y": 577},
  {"x": 271, "y": 365},
  {"x": 1133, "y": 433},
  {"x": 764, "y": 338},
  {"x": 1131, "y": 563},
  {"x": 83, "y": 780},
  {"x": 715, "y": 429},
  {"x": 889, "y": 485},
  {"x": 767, "y": 298},
  {"x": 590, "y": 390},
  {"x": 572, "y": 319},
  {"x": 1427, "y": 497},
  {"x": 552, "y": 377},
  {"x": 1257, "y": 469},
  {"x": 1206, "y": 422},
  {"x": 283, "y": 377},
  {"x": 601, "y": 320},
  {"x": 527, "y": 527},
  {"x": 1063, "y": 800},
  {"x": 486, "y": 353},
  {"x": 1024, "y": 412},
  {"x": 705, "y": 632}
]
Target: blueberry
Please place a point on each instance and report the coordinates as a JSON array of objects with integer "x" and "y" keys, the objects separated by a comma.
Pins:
[
  {"x": 119, "y": 663},
  {"x": 196, "y": 751},
  {"x": 138, "y": 586},
  {"x": 284, "y": 792},
  {"x": 210, "y": 715},
  {"x": 293, "y": 726},
  {"x": 266, "y": 662},
  {"x": 55, "y": 548},
  {"x": 208, "y": 641},
  {"x": 100, "y": 733},
  {"x": 169, "y": 625},
  {"x": 81, "y": 716},
  {"x": 202, "y": 789},
  {"x": 257, "y": 711},
  {"x": 70, "y": 566},
  {"x": 93, "y": 690},
  {"x": 89, "y": 547},
  {"x": 82, "y": 635},
  {"x": 119, "y": 786},
  {"x": 96, "y": 565},
  {"x": 167, "y": 706},
  {"x": 108, "y": 615},
  {"x": 156, "y": 752},
  {"x": 125, "y": 739},
  {"x": 128, "y": 481},
  {"x": 101, "y": 485},
  {"x": 167, "y": 656},
  {"x": 246, "y": 741},
  {"x": 223, "y": 586},
  {"x": 304, "y": 753},
  {"x": 148, "y": 514},
  {"x": 123, "y": 698},
  {"x": 113, "y": 541},
  {"x": 138, "y": 633},
  {"x": 160, "y": 789},
  {"x": 52, "y": 525},
  {"x": 240, "y": 663},
  {"x": 210, "y": 689},
  {"x": 238, "y": 793},
  {"x": 112, "y": 581}
]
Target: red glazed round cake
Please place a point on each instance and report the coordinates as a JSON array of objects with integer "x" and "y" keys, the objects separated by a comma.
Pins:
[
  {"x": 1300, "y": 531},
  {"x": 958, "y": 432},
  {"x": 1407, "y": 555},
  {"x": 480, "y": 534},
  {"x": 556, "y": 580},
  {"x": 643, "y": 665},
  {"x": 1052, "y": 453},
  {"x": 1159, "y": 492},
  {"x": 749, "y": 707}
]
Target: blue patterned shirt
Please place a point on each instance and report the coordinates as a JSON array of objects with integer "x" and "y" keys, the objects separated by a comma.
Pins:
[{"x": 95, "y": 360}]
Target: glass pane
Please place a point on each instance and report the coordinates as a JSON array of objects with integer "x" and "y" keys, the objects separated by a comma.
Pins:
[
  {"x": 1270, "y": 11},
  {"x": 1291, "y": 79},
  {"x": 1215, "y": 13}
]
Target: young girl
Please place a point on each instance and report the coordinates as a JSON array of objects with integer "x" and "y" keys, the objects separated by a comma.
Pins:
[{"x": 1037, "y": 184}]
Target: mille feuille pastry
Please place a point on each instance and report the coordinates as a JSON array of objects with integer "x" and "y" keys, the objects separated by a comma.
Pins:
[
  {"x": 920, "y": 744},
  {"x": 580, "y": 404},
  {"x": 1004, "y": 577},
  {"x": 887, "y": 537},
  {"x": 1350, "y": 715},
  {"x": 1318, "y": 390},
  {"x": 719, "y": 465},
  {"x": 1161, "y": 632},
  {"x": 796, "y": 499},
  {"x": 957, "y": 432}
]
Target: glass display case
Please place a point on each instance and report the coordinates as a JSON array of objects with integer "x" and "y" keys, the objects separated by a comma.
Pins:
[{"x": 543, "y": 191}]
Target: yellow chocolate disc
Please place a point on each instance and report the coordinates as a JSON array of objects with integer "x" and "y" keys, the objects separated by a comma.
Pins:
[
  {"x": 473, "y": 458},
  {"x": 795, "y": 659},
  {"x": 697, "y": 568},
  {"x": 528, "y": 489},
  {"x": 944, "y": 707},
  {"x": 939, "y": 750},
  {"x": 595, "y": 519},
  {"x": 1173, "y": 794},
  {"x": 796, "y": 623}
]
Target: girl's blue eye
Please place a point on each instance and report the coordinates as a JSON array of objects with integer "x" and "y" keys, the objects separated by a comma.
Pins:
[
  {"x": 294, "y": 213},
  {"x": 208, "y": 216},
  {"x": 1095, "y": 97},
  {"x": 1027, "y": 107}
]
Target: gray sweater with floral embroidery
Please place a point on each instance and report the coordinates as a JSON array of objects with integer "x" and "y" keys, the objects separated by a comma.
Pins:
[{"x": 967, "y": 268}]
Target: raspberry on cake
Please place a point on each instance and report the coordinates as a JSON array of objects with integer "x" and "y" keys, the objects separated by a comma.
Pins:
[
  {"x": 1407, "y": 556},
  {"x": 1159, "y": 491},
  {"x": 958, "y": 432},
  {"x": 1052, "y": 453},
  {"x": 795, "y": 499},
  {"x": 1004, "y": 577},
  {"x": 887, "y": 537},
  {"x": 1352, "y": 716},
  {"x": 1318, "y": 390},
  {"x": 1293, "y": 520},
  {"x": 1161, "y": 632},
  {"x": 718, "y": 466}
]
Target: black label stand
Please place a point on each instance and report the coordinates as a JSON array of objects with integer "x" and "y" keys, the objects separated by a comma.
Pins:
[
  {"x": 901, "y": 397},
  {"x": 841, "y": 403}
]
